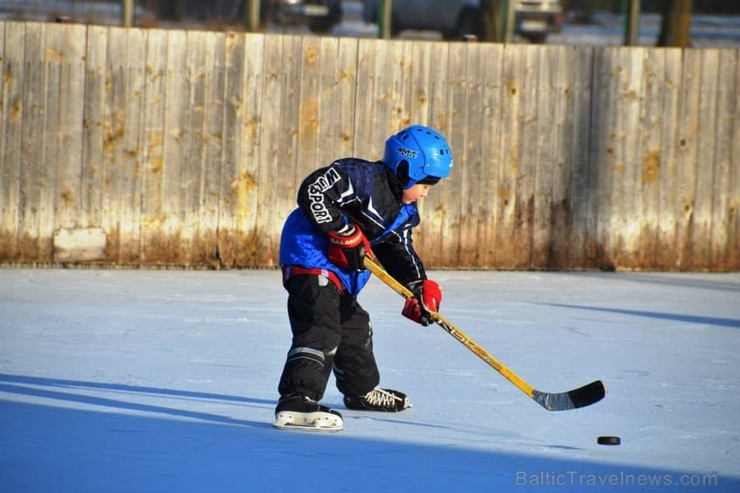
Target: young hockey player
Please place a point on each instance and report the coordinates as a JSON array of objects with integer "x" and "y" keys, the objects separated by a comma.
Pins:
[{"x": 347, "y": 210}]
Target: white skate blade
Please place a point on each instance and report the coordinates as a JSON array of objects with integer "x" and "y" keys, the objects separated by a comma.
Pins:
[{"x": 318, "y": 421}]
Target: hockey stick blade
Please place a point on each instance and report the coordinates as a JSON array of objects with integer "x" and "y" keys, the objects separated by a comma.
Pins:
[
  {"x": 573, "y": 399},
  {"x": 580, "y": 397}
]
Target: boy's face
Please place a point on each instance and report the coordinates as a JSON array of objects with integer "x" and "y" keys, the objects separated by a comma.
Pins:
[{"x": 414, "y": 193}]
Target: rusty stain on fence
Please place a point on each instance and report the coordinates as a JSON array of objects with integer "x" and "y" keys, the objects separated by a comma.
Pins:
[{"x": 651, "y": 167}]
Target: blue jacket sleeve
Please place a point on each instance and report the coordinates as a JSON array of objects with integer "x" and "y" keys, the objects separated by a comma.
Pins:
[{"x": 321, "y": 196}]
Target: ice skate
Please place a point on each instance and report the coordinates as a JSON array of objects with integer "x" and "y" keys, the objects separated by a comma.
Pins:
[
  {"x": 384, "y": 400},
  {"x": 298, "y": 412}
]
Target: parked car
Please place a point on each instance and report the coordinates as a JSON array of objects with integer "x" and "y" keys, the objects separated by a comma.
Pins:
[
  {"x": 534, "y": 20},
  {"x": 320, "y": 15}
]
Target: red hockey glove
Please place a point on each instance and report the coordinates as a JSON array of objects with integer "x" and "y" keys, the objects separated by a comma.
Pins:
[
  {"x": 348, "y": 251},
  {"x": 427, "y": 297}
]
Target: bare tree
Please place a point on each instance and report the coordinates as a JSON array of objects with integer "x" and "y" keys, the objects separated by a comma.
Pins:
[
  {"x": 492, "y": 14},
  {"x": 252, "y": 15},
  {"x": 127, "y": 13},
  {"x": 675, "y": 29}
]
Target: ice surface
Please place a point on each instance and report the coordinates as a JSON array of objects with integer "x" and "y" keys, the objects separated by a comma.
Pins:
[{"x": 165, "y": 381}]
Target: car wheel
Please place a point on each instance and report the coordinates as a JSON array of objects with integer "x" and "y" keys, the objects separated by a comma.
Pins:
[
  {"x": 536, "y": 38},
  {"x": 470, "y": 22},
  {"x": 323, "y": 25}
]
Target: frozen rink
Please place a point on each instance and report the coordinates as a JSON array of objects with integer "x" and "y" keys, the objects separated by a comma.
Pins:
[{"x": 165, "y": 381}]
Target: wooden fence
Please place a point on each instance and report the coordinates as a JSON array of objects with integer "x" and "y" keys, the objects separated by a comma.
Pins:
[{"x": 186, "y": 147}]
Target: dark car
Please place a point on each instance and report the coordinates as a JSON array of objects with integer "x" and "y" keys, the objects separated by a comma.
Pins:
[
  {"x": 534, "y": 19},
  {"x": 320, "y": 15}
]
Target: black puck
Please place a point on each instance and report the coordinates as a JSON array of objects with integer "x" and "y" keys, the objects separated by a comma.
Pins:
[{"x": 608, "y": 440}]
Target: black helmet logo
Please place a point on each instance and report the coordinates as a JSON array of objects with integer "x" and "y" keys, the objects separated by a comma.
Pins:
[{"x": 407, "y": 152}]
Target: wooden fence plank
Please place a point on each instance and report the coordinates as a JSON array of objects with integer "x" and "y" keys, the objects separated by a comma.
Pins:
[
  {"x": 686, "y": 156},
  {"x": 309, "y": 104},
  {"x": 610, "y": 162},
  {"x": 456, "y": 193},
  {"x": 166, "y": 245},
  {"x": 306, "y": 106},
  {"x": 501, "y": 156},
  {"x": 49, "y": 133},
  {"x": 327, "y": 136},
  {"x": 419, "y": 82},
  {"x": 11, "y": 125},
  {"x": 258, "y": 176},
  {"x": 232, "y": 189},
  {"x": 648, "y": 172},
  {"x": 582, "y": 192},
  {"x": 567, "y": 76},
  {"x": 154, "y": 247},
  {"x": 489, "y": 136},
  {"x": 527, "y": 157},
  {"x": 606, "y": 159},
  {"x": 385, "y": 95},
  {"x": 547, "y": 163},
  {"x": 196, "y": 182},
  {"x": 120, "y": 208},
  {"x": 206, "y": 242},
  {"x": 8, "y": 201},
  {"x": 366, "y": 116},
  {"x": 291, "y": 164},
  {"x": 437, "y": 235},
  {"x": 576, "y": 248},
  {"x": 626, "y": 167},
  {"x": 97, "y": 82},
  {"x": 398, "y": 97},
  {"x": 250, "y": 240},
  {"x": 509, "y": 214},
  {"x": 705, "y": 170},
  {"x": 127, "y": 147},
  {"x": 419, "y": 111},
  {"x": 199, "y": 54},
  {"x": 469, "y": 170},
  {"x": 65, "y": 57},
  {"x": 571, "y": 194},
  {"x": 668, "y": 208},
  {"x": 733, "y": 181},
  {"x": 626, "y": 184},
  {"x": 35, "y": 181},
  {"x": 342, "y": 139},
  {"x": 279, "y": 157},
  {"x": 723, "y": 195}
]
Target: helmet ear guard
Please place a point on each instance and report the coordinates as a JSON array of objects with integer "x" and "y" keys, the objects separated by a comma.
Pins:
[
  {"x": 402, "y": 172},
  {"x": 418, "y": 154}
]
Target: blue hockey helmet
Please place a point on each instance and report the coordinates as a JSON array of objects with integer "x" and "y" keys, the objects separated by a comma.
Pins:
[{"x": 418, "y": 154}]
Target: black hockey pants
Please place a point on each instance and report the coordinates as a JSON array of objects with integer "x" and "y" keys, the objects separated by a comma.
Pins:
[{"x": 330, "y": 331}]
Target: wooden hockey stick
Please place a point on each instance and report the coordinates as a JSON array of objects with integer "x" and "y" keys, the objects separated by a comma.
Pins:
[{"x": 558, "y": 401}]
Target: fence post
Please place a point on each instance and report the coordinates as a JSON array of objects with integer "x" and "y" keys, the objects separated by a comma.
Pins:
[
  {"x": 632, "y": 22},
  {"x": 127, "y": 13},
  {"x": 386, "y": 19},
  {"x": 253, "y": 15},
  {"x": 509, "y": 19}
]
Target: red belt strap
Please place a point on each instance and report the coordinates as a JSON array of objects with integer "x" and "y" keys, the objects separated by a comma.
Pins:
[{"x": 296, "y": 270}]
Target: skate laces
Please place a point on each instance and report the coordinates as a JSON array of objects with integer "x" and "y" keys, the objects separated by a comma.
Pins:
[{"x": 381, "y": 398}]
